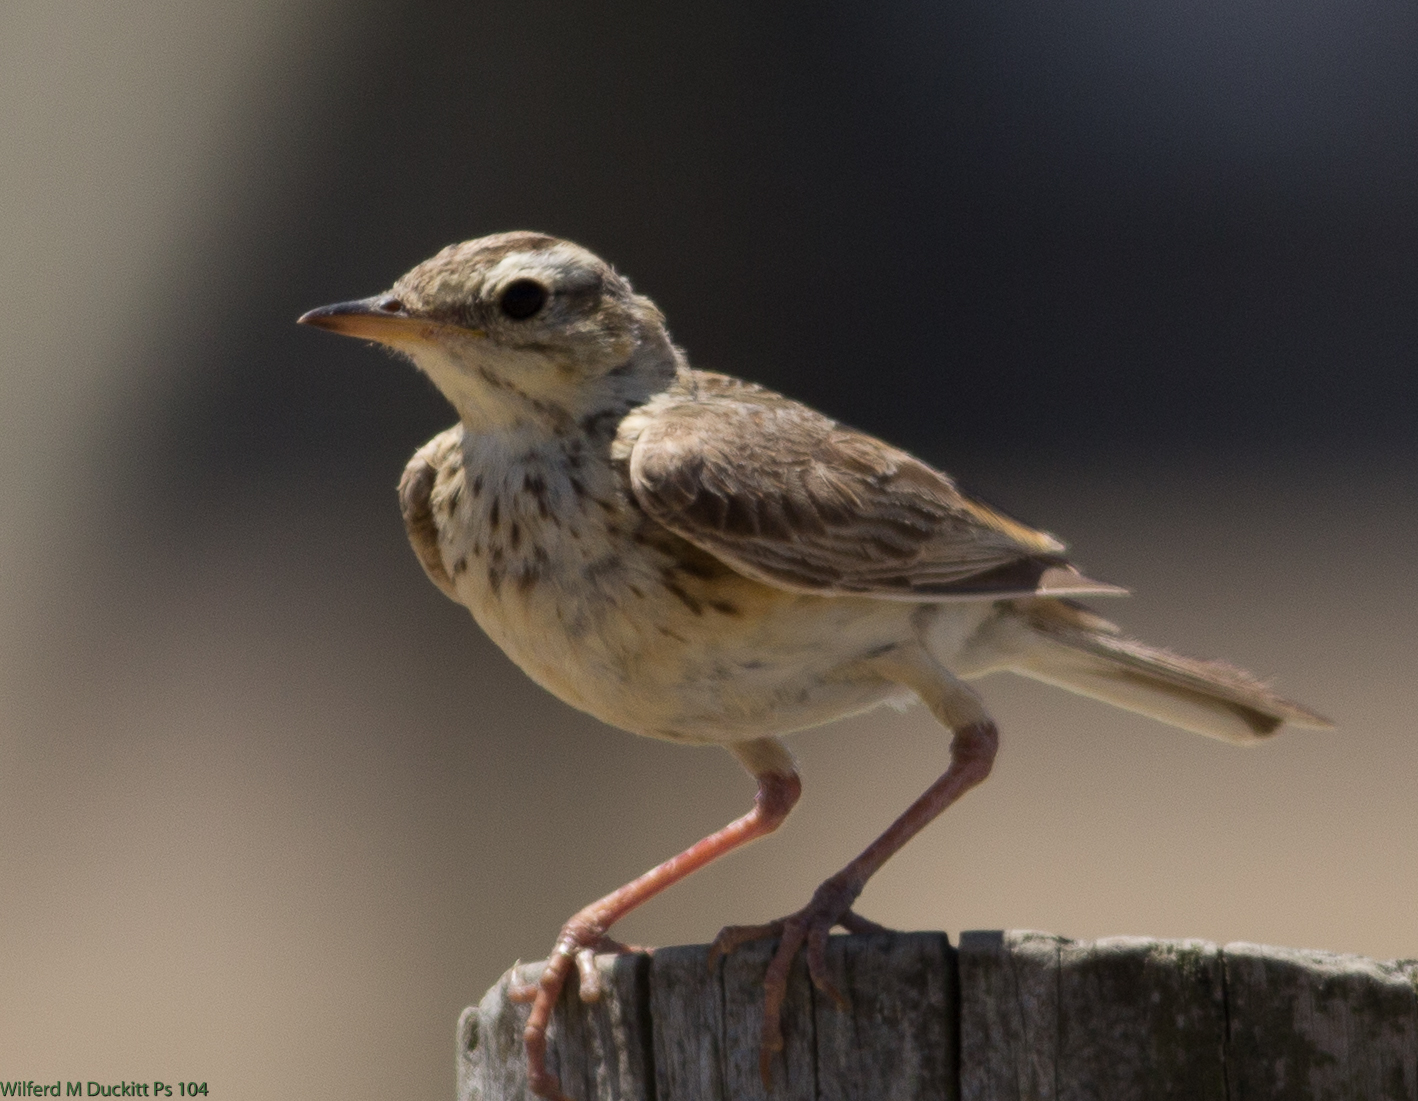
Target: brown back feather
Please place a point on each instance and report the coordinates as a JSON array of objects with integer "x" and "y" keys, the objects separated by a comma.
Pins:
[{"x": 791, "y": 498}]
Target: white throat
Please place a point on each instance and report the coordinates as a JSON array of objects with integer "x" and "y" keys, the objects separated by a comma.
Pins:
[{"x": 521, "y": 391}]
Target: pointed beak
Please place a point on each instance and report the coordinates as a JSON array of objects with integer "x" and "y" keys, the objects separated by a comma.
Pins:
[{"x": 382, "y": 318}]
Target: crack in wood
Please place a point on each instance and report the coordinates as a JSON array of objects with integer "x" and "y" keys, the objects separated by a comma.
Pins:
[{"x": 1008, "y": 1016}]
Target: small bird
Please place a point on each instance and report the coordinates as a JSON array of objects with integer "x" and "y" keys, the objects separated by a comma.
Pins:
[{"x": 692, "y": 557}]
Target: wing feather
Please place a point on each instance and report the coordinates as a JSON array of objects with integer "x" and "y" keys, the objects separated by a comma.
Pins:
[
  {"x": 424, "y": 495},
  {"x": 791, "y": 498}
]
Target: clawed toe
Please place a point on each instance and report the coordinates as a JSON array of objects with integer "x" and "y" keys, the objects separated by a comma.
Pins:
[
  {"x": 732, "y": 937},
  {"x": 577, "y": 947},
  {"x": 806, "y": 931},
  {"x": 518, "y": 990},
  {"x": 853, "y": 922},
  {"x": 546, "y": 1085},
  {"x": 817, "y": 963}
]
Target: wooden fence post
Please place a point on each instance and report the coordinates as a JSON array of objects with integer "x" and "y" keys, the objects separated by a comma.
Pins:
[{"x": 1012, "y": 1016}]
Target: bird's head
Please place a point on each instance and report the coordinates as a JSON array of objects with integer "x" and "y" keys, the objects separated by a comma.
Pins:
[{"x": 518, "y": 329}]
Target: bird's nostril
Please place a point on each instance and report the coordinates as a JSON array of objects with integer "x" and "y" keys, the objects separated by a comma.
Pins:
[{"x": 391, "y": 305}]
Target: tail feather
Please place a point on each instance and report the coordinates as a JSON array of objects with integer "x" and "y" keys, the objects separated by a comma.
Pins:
[{"x": 1072, "y": 648}]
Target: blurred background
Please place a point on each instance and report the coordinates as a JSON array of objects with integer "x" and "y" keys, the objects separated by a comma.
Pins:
[{"x": 274, "y": 810}]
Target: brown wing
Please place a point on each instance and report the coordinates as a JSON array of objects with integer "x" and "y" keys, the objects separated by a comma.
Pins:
[
  {"x": 786, "y": 496},
  {"x": 424, "y": 496}
]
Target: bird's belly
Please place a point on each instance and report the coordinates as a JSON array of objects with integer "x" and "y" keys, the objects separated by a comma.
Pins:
[{"x": 714, "y": 662}]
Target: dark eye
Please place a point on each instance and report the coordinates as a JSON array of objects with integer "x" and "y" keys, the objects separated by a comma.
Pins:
[{"x": 523, "y": 298}]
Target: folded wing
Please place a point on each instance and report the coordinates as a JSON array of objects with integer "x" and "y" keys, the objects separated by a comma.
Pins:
[{"x": 791, "y": 498}]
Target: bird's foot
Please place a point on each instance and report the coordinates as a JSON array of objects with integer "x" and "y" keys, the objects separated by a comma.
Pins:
[
  {"x": 576, "y": 947},
  {"x": 831, "y": 906},
  {"x": 590, "y": 978}
]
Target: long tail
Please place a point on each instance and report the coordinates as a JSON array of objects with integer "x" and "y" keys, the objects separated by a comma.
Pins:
[{"x": 1066, "y": 645}]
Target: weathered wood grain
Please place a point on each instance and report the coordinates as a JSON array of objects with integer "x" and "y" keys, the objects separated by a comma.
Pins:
[
  {"x": 1048, "y": 1019},
  {"x": 897, "y": 1039},
  {"x": 1142, "y": 1019},
  {"x": 1009, "y": 1011},
  {"x": 601, "y": 1050},
  {"x": 894, "y": 1041},
  {"x": 687, "y": 1006},
  {"x": 1015, "y": 1016},
  {"x": 708, "y": 1021},
  {"x": 1321, "y": 1027}
]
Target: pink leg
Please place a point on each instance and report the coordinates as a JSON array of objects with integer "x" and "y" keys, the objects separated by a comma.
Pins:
[
  {"x": 972, "y": 753},
  {"x": 778, "y": 790}
]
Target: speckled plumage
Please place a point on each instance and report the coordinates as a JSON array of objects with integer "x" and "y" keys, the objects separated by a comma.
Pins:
[
  {"x": 693, "y": 557},
  {"x": 631, "y": 601}
]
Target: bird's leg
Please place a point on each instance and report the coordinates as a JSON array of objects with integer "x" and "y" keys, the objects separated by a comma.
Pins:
[
  {"x": 778, "y": 789},
  {"x": 590, "y": 982},
  {"x": 972, "y": 752}
]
